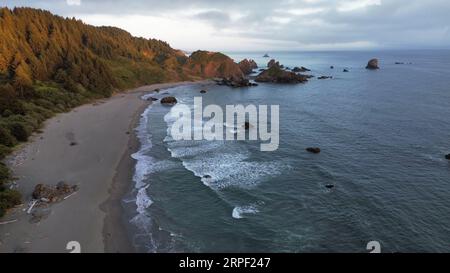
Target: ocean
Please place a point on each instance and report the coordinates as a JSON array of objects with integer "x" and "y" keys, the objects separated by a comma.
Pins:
[{"x": 383, "y": 136}]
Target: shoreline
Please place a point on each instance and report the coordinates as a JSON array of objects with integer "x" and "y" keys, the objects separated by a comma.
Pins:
[{"x": 93, "y": 216}]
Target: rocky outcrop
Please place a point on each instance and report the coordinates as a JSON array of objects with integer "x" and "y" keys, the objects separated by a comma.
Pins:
[
  {"x": 277, "y": 75},
  {"x": 372, "y": 64},
  {"x": 235, "y": 82},
  {"x": 169, "y": 101},
  {"x": 273, "y": 63},
  {"x": 247, "y": 66},
  {"x": 300, "y": 69},
  {"x": 212, "y": 65},
  {"x": 314, "y": 150}
]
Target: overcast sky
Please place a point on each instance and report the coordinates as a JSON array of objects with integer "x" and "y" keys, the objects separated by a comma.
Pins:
[{"x": 226, "y": 25}]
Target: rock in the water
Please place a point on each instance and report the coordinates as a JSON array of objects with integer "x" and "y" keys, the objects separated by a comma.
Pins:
[
  {"x": 273, "y": 63},
  {"x": 325, "y": 77},
  {"x": 277, "y": 75},
  {"x": 300, "y": 69},
  {"x": 247, "y": 125},
  {"x": 314, "y": 150},
  {"x": 329, "y": 186},
  {"x": 207, "y": 176},
  {"x": 152, "y": 99},
  {"x": 266, "y": 55},
  {"x": 399, "y": 63},
  {"x": 345, "y": 70},
  {"x": 156, "y": 90},
  {"x": 447, "y": 157},
  {"x": 247, "y": 66},
  {"x": 169, "y": 101},
  {"x": 331, "y": 67},
  {"x": 203, "y": 91},
  {"x": 235, "y": 82},
  {"x": 372, "y": 64}
]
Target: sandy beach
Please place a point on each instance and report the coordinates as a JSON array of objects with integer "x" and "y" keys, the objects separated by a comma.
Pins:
[{"x": 99, "y": 163}]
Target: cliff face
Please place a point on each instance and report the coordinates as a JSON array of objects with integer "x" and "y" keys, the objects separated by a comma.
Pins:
[{"x": 212, "y": 64}]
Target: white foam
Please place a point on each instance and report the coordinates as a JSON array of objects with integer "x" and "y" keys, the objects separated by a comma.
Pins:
[
  {"x": 240, "y": 212},
  {"x": 143, "y": 201}
]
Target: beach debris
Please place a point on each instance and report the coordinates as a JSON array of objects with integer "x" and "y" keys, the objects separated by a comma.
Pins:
[
  {"x": 345, "y": 70},
  {"x": 31, "y": 206},
  {"x": 53, "y": 193},
  {"x": 169, "y": 101},
  {"x": 325, "y": 77},
  {"x": 447, "y": 157},
  {"x": 203, "y": 91},
  {"x": 314, "y": 150},
  {"x": 8, "y": 222},
  {"x": 329, "y": 186},
  {"x": 372, "y": 64}
]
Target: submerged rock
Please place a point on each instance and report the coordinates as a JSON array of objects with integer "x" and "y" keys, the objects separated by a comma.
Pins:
[
  {"x": 152, "y": 99},
  {"x": 447, "y": 157},
  {"x": 314, "y": 150},
  {"x": 325, "y": 77},
  {"x": 331, "y": 67},
  {"x": 277, "y": 75},
  {"x": 207, "y": 176},
  {"x": 169, "y": 101},
  {"x": 345, "y": 70},
  {"x": 203, "y": 91},
  {"x": 329, "y": 186},
  {"x": 372, "y": 64}
]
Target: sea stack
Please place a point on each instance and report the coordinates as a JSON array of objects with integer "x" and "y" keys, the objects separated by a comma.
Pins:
[{"x": 372, "y": 64}]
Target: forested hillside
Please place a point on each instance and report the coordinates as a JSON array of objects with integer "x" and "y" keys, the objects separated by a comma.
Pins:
[{"x": 50, "y": 64}]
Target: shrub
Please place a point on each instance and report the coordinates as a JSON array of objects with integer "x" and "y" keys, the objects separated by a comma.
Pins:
[
  {"x": 5, "y": 137},
  {"x": 19, "y": 131},
  {"x": 8, "y": 199},
  {"x": 4, "y": 151}
]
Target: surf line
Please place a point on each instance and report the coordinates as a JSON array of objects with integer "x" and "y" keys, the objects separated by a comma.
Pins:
[{"x": 251, "y": 120}]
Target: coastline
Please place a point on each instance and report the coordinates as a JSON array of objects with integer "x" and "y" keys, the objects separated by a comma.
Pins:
[{"x": 93, "y": 216}]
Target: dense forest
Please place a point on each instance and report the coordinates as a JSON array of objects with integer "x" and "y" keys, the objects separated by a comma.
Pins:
[{"x": 50, "y": 64}]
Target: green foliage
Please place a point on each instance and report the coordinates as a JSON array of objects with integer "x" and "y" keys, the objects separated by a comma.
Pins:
[
  {"x": 8, "y": 199},
  {"x": 4, "y": 151}
]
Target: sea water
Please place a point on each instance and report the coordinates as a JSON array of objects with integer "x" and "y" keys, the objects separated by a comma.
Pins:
[{"x": 383, "y": 136}]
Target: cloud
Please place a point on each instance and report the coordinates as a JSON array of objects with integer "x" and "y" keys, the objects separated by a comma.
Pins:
[
  {"x": 73, "y": 2},
  {"x": 271, "y": 24}
]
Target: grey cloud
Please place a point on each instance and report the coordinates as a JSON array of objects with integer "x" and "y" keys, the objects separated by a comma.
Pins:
[{"x": 394, "y": 23}]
